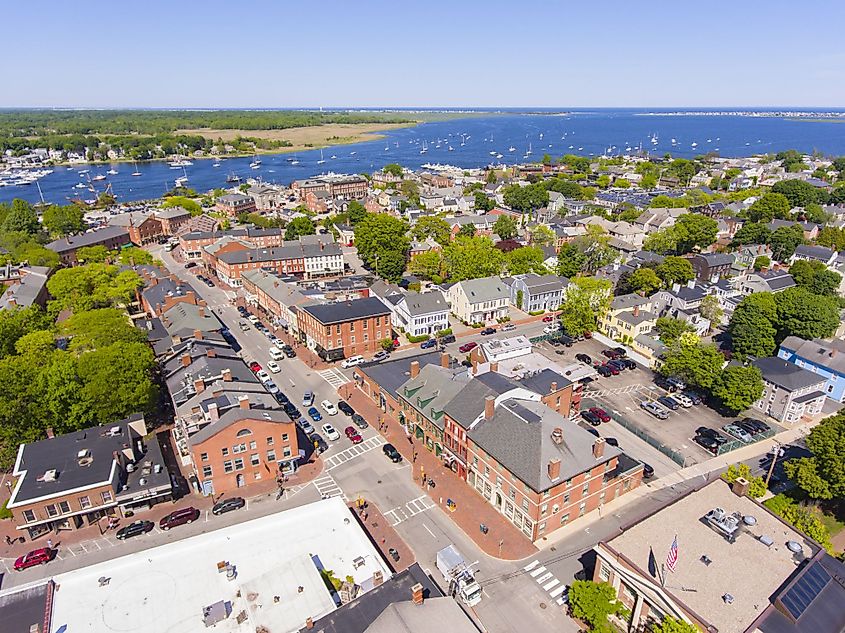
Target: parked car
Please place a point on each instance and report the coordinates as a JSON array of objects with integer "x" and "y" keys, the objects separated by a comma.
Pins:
[
  {"x": 275, "y": 354},
  {"x": 281, "y": 398},
  {"x": 314, "y": 414},
  {"x": 621, "y": 351},
  {"x": 738, "y": 432},
  {"x": 566, "y": 340},
  {"x": 307, "y": 398},
  {"x": 620, "y": 365},
  {"x": 289, "y": 351},
  {"x": 761, "y": 427},
  {"x": 613, "y": 369},
  {"x": 612, "y": 441},
  {"x": 711, "y": 433},
  {"x": 655, "y": 409},
  {"x": 134, "y": 529},
  {"x": 263, "y": 376},
  {"x": 487, "y": 331},
  {"x": 306, "y": 426},
  {"x": 467, "y": 347},
  {"x": 693, "y": 396},
  {"x": 227, "y": 505},
  {"x": 707, "y": 442},
  {"x": 591, "y": 417},
  {"x": 669, "y": 403},
  {"x": 392, "y": 453},
  {"x": 190, "y": 264},
  {"x": 330, "y": 432},
  {"x": 681, "y": 399},
  {"x": 611, "y": 353},
  {"x": 291, "y": 411},
  {"x": 272, "y": 388},
  {"x": 359, "y": 421},
  {"x": 648, "y": 471},
  {"x": 243, "y": 311},
  {"x": 328, "y": 407},
  {"x": 345, "y": 407},
  {"x": 352, "y": 361},
  {"x": 508, "y": 327},
  {"x": 274, "y": 368},
  {"x": 584, "y": 359},
  {"x": 353, "y": 435},
  {"x": 669, "y": 384},
  {"x": 380, "y": 356},
  {"x": 255, "y": 367},
  {"x": 432, "y": 342},
  {"x": 253, "y": 319},
  {"x": 551, "y": 328},
  {"x": 40, "y": 556},
  {"x": 179, "y": 517},
  {"x": 449, "y": 338},
  {"x": 604, "y": 371},
  {"x": 318, "y": 442},
  {"x": 629, "y": 364},
  {"x": 601, "y": 413}
]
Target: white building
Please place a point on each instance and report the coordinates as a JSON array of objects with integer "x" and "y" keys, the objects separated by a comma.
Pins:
[
  {"x": 421, "y": 313},
  {"x": 479, "y": 300}
]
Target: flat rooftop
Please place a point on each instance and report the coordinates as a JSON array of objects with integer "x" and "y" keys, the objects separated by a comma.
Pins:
[
  {"x": 278, "y": 585},
  {"x": 746, "y": 569}
]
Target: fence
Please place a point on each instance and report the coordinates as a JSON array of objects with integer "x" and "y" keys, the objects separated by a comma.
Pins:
[{"x": 734, "y": 444}]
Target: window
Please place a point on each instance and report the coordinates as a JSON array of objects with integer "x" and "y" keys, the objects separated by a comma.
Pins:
[
  {"x": 253, "y": 445},
  {"x": 239, "y": 463},
  {"x": 284, "y": 437},
  {"x": 64, "y": 507},
  {"x": 286, "y": 451},
  {"x": 366, "y": 323},
  {"x": 566, "y": 498},
  {"x": 28, "y": 516},
  {"x": 243, "y": 432},
  {"x": 225, "y": 451},
  {"x": 270, "y": 440},
  {"x": 339, "y": 342},
  {"x": 604, "y": 572},
  {"x": 582, "y": 508},
  {"x": 337, "y": 329},
  {"x": 352, "y": 339},
  {"x": 486, "y": 470},
  {"x": 271, "y": 456},
  {"x": 84, "y": 502},
  {"x": 106, "y": 494},
  {"x": 51, "y": 510},
  {"x": 546, "y": 494},
  {"x": 254, "y": 460},
  {"x": 569, "y": 483},
  {"x": 227, "y": 466},
  {"x": 564, "y": 519},
  {"x": 206, "y": 471},
  {"x": 204, "y": 457},
  {"x": 366, "y": 336},
  {"x": 498, "y": 481},
  {"x": 585, "y": 490},
  {"x": 525, "y": 503},
  {"x": 256, "y": 474},
  {"x": 513, "y": 493},
  {"x": 544, "y": 508}
]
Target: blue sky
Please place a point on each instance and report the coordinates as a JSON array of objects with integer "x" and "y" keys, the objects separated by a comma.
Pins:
[{"x": 259, "y": 53}]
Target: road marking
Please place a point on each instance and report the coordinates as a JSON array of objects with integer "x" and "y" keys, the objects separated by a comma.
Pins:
[
  {"x": 531, "y": 565},
  {"x": 554, "y": 582},
  {"x": 561, "y": 601},
  {"x": 328, "y": 487},
  {"x": 544, "y": 577},
  {"x": 334, "y": 377},
  {"x": 554, "y": 593},
  {"x": 429, "y": 531},
  {"x": 412, "y": 508},
  {"x": 333, "y": 461},
  {"x": 538, "y": 571}
]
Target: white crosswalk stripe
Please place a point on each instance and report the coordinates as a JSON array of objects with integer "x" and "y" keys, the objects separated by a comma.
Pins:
[
  {"x": 334, "y": 377},
  {"x": 548, "y": 586},
  {"x": 538, "y": 571},
  {"x": 413, "y": 507},
  {"x": 531, "y": 565},
  {"x": 333, "y": 461},
  {"x": 328, "y": 487},
  {"x": 547, "y": 581},
  {"x": 554, "y": 593}
]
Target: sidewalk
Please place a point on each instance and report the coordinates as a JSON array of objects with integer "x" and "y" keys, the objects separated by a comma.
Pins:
[
  {"x": 383, "y": 535},
  {"x": 502, "y": 539}
]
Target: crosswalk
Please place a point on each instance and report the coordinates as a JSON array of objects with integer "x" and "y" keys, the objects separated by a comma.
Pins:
[
  {"x": 547, "y": 581},
  {"x": 601, "y": 393},
  {"x": 328, "y": 487},
  {"x": 334, "y": 377},
  {"x": 333, "y": 461},
  {"x": 412, "y": 508}
]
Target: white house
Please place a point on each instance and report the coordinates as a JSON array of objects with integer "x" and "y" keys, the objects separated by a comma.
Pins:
[
  {"x": 479, "y": 300},
  {"x": 421, "y": 313}
]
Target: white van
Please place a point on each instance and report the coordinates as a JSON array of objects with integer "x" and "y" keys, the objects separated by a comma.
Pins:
[
  {"x": 352, "y": 361},
  {"x": 276, "y": 353}
]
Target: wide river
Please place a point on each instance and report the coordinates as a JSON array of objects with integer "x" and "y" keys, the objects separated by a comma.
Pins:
[{"x": 468, "y": 142}]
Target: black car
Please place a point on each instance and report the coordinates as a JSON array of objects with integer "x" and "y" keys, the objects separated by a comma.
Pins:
[
  {"x": 604, "y": 371},
  {"x": 717, "y": 437},
  {"x": 591, "y": 417},
  {"x": 488, "y": 330},
  {"x": 621, "y": 351},
  {"x": 359, "y": 421},
  {"x": 292, "y": 411},
  {"x": 584, "y": 359},
  {"x": 707, "y": 443},
  {"x": 612, "y": 441},
  {"x": 289, "y": 351},
  {"x": 694, "y": 397},
  {"x": 190, "y": 264},
  {"x": 629, "y": 364},
  {"x": 134, "y": 529},
  {"x": 227, "y": 505},
  {"x": 319, "y": 443},
  {"x": 620, "y": 364},
  {"x": 648, "y": 471},
  {"x": 281, "y": 398},
  {"x": 567, "y": 340},
  {"x": 392, "y": 453},
  {"x": 344, "y": 407},
  {"x": 243, "y": 311},
  {"x": 231, "y": 340},
  {"x": 449, "y": 338},
  {"x": 590, "y": 430},
  {"x": 761, "y": 426},
  {"x": 748, "y": 427},
  {"x": 669, "y": 403},
  {"x": 432, "y": 342}
]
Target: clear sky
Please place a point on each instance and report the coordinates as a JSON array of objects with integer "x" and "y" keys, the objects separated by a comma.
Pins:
[{"x": 554, "y": 53}]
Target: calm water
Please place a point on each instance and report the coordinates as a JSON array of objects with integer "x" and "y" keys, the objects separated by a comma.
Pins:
[{"x": 584, "y": 133}]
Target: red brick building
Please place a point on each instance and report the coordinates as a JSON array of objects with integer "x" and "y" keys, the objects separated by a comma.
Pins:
[
  {"x": 233, "y": 204},
  {"x": 340, "y": 330},
  {"x": 172, "y": 219}
]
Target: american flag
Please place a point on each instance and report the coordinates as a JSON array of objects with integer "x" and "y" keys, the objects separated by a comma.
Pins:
[{"x": 672, "y": 556}]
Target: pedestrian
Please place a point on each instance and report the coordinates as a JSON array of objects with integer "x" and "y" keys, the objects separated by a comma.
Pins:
[
  {"x": 414, "y": 458},
  {"x": 423, "y": 479},
  {"x": 8, "y": 540},
  {"x": 49, "y": 543}
]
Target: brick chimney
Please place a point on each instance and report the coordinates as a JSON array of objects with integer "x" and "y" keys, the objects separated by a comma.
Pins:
[
  {"x": 211, "y": 352},
  {"x": 417, "y": 594},
  {"x": 186, "y": 360},
  {"x": 201, "y": 303},
  {"x": 50, "y": 433},
  {"x": 199, "y": 385},
  {"x": 557, "y": 435},
  {"x": 226, "y": 374},
  {"x": 213, "y": 412},
  {"x": 553, "y": 387},
  {"x": 554, "y": 469},
  {"x": 598, "y": 447},
  {"x": 740, "y": 486},
  {"x": 198, "y": 334},
  {"x": 243, "y": 401},
  {"x": 201, "y": 312},
  {"x": 415, "y": 368},
  {"x": 309, "y": 623},
  {"x": 378, "y": 578},
  {"x": 444, "y": 360},
  {"x": 489, "y": 407},
  {"x": 636, "y": 311},
  {"x": 494, "y": 366}
]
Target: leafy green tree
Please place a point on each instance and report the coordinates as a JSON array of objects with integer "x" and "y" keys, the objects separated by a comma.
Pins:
[
  {"x": 603, "y": 181},
  {"x": 831, "y": 236},
  {"x": 93, "y": 254},
  {"x": 467, "y": 230},
  {"x": 471, "y": 258},
  {"x": 191, "y": 206},
  {"x": 675, "y": 270},
  {"x": 542, "y": 235},
  {"x": 670, "y": 329},
  {"x": 434, "y": 227},
  {"x": 37, "y": 343},
  {"x": 738, "y": 387},
  {"x": 622, "y": 183},
  {"x": 21, "y": 218},
  {"x": 526, "y": 198},
  {"x": 822, "y": 476},
  {"x": 91, "y": 286},
  {"x": 757, "y": 486},
  {"x": 379, "y": 233},
  {"x": 697, "y": 363},
  {"x": 802, "y": 519},
  {"x": 645, "y": 281},
  {"x": 694, "y": 230},
  {"x": 391, "y": 264},
  {"x": 711, "y": 310},
  {"x": 752, "y": 325},
  {"x": 394, "y": 169},
  {"x": 526, "y": 259},
  {"x": 799, "y": 192},
  {"x": 585, "y": 300},
  {"x": 17, "y": 323},
  {"x": 63, "y": 220},
  {"x": 356, "y": 212},
  {"x": 594, "y": 603},
  {"x": 761, "y": 262},
  {"x": 804, "y": 314},
  {"x": 671, "y": 625},
  {"x": 570, "y": 261},
  {"x": 483, "y": 202},
  {"x": 815, "y": 277},
  {"x": 662, "y": 242},
  {"x": 298, "y": 227},
  {"x": 768, "y": 207},
  {"x": 751, "y": 233},
  {"x": 94, "y": 329},
  {"x": 814, "y": 212},
  {"x": 784, "y": 241},
  {"x": 649, "y": 181},
  {"x": 135, "y": 256},
  {"x": 426, "y": 265},
  {"x": 505, "y": 227},
  {"x": 566, "y": 188}
]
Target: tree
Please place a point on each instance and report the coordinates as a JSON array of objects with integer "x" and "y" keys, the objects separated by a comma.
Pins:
[
  {"x": 768, "y": 207},
  {"x": 505, "y": 227},
  {"x": 566, "y": 188},
  {"x": 594, "y": 602},
  {"x": 693, "y": 230},
  {"x": 93, "y": 254},
  {"x": 64, "y": 220},
  {"x": 434, "y": 227},
  {"x": 425, "y": 265},
  {"x": 37, "y": 343},
  {"x": 542, "y": 235},
  {"x": 697, "y": 363},
  {"x": 799, "y": 192},
  {"x": 815, "y": 277},
  {"x": 670, "y": 329},
  {"x": 584, "y": 301},
  {"x": 526, "y": 198},
  {"x": 526, "y": 259},
  {"x": 802, "y": 519},
  {"x": 390, "y": 265},
  {"x": 192, "y": 206},
  {"x": 784, "y": 241},
  {"x": 300, "y": 226},
  {"x": 752, "y": 325},
  {"x": 671, "y": 625},
  {"x": 21, "y": 218},
  {"x": 662, "y": 242},
  {"x": 394, "y": 169},
  {"x": 737, "y": 388},
  {"x": 822, "y": 476},
  {"x": 761, "y": 262},
  {"x": 649, "y": 181},
  {"x": 17, "y": 323},
  {"x": 134, "y": 256},
  {"x": 831, "y": 236},
  {"x": 356, "y": 212},
  {"x": 520, "y": 295},
  {"x": 645, "y": 281},
  {"x": 483, "y": 202},
  {"x": 806, "y": 315},
  {"x": 570, "y": 261},
  {"x": 467, "y": 230},
  {"x": 675, "y": 270},
  {"x": 379, "y": 233},
  {"x": 94, "y": 329},
  {"x": 752, "y": 233},
  {"x": 711, "y": 310},
  {"x": 471, "y": 258},
  {"x": 603, "y": 181}
]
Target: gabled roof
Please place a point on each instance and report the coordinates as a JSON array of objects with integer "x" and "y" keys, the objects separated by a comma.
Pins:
[
  {"x": 829, "y": 354},
  {"x": 819, "y": 253},
  {"x": 468, "y": 404},
  {"x": 87, "y": 239},
  {"x": 484, "y": 289},
  {"x": 786, "y": 375},
  {"x": 432, "y": 389},
  {"x": 235, "y": 416},
  {"x": 425, "y": 303}
]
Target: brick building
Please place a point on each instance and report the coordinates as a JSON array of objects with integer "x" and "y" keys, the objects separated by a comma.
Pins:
[
  {"x": 112, "y": 237},
  {"x": 233, "y": 204},
  {"x": 172, "y": 219},
  {"x": 244, "y": 446},
  {"x": 340, "y": 330},
  {"x": 143, "y": 228}
]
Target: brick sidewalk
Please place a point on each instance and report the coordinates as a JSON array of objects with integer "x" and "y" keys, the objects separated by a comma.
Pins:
[
  {"x": 472, "y": 510},
  {"x": 383, "y": 535}
]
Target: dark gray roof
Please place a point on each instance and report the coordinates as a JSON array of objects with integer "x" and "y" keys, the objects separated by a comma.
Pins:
[
  {"x": 469, "y": 403},
  {"x": 786, "y": 375},
  {"x": 717, "y": 259},
  {"x": 541, "y": 382},
  {"x": 180, "y": 380},
  {"x": 233, "y": 416},
  {"x": 20, "y": 610},
  {"x": 432, "y": 389},
  {"x": 624, "y": 302},
  {"x": 778, "y": 279},
  {"x": 814, "y": 252},
  {"x": 484, "y": 289},
  {"x": 231, "y": 198},
  {"x": 393, "y": 373},
  {"x": 184, "y": 319},
  {"x": 358, "y": 615},
  {"x": 88, "y": 239},
  {"x": 290, "y": 250},
  {"x": 539, "y": 284},
  {"x": 347, "y": 311},
  {"x": 636, "y": 319},
  {"x": 165, "y": 287}
]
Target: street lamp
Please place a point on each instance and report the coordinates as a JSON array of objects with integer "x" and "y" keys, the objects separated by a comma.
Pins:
[{"x": 777, "y": 451}]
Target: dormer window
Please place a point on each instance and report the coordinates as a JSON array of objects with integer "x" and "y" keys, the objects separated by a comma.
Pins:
[{"x": 243, "y": 432}]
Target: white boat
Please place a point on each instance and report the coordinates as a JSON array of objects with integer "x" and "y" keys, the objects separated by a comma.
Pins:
[
  {"x": 528, "y": 152},
  {"x": 112, "y": 172},
  {"x": 571, "y": 147},
  {"x": 181, "y": 181},
  {"x": 136, "y": 172},
  {"x": 352, "y": 153},
  {"x": 295, "y": 160},
  {"x": 492, "y": 153},
  {"x": 81, "y": 185},
  {"x": 693, "y": 144},
  {"x": 580, "y": 148},
  {"x": 99, "y": 177},
  {"x": 333, "y": 157},
  {"x": 499, "y": 156},
  {"x": 216, "y": 165},
  {"x": 424, "y": 148},
  {"x": 176, "y": 164},
  {"x": 256, "y": 163},
  {"x": 386, "y": 148},
  {"x": 511, "y": 149},
  {"x": 541, "y": 136},
  {"x": 321, "y": 161},
  {"x": 451, "y": 149}
]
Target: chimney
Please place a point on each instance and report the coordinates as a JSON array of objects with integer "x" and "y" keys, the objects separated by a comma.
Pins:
[
  {"x": 211, "y": 352},
  {"x": 740, "y": 486},
  {"x": 676, "y": 287},
  {"x": 474, "y": 367},
  {"x": 226, "y": 374},
  {"x": 198, "y": 333},
  {"x": 557, "y": 435},
  {"x": 199, "y": 385},
  {"x": 201, "y": 303},
  {"x": 636, "y": 311},
  {"x": 417, "y": 594},
  {"x": 186, "y": 360},
  {"x": 553, "y": 387},
  {"x": 832, "y": 353},
  {"x": 598, "y": 447},
  {"x": 489, "y": 407},
  {"x": 50, "y": 433},
  {"x": 243, "y": 401},
  {"x": 691, "y": 283},
  {"x": 213, "y": 412},
  {"x": 378, "y": 578},
  {"x": 415, "y": 368},
  {"x": 11, "y": 301},
  {"x": 158, "y": 308},
  {"x": 309, "y": 623},
  {"x": 494, "y": 366},
  {"x": 444, "y": 360},
  {"x": 554, "y": 469},
  {"x": 201, "y": 312}
]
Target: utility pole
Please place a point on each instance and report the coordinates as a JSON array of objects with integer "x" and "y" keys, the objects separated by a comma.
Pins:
[{"x": 775, "y": 454}]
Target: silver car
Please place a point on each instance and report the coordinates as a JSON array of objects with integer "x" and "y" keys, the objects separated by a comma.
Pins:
[
  {"x": 655, "y": 409},
  {"x": 738, "y": 432}
]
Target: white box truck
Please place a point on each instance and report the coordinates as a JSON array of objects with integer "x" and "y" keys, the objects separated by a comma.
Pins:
[{"x": 458, "y": 575}]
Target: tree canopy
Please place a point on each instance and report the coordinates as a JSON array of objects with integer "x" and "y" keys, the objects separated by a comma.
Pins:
[
  {"x": 472, "y": 257},
  {"x": 594, "y": 603},
  {"x": 585, "y": 300},
  {"x": 526, "y": 198},
  {"x": 822, "y": 476},
  {"x": 378, "y": 234},
  {"x": 433, "y": 227},
  {"x": 505, "y": 227}
]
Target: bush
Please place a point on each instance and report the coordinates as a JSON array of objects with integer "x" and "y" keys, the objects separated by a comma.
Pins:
[
  {"x": 5, "y": 513},
  {"x": 757, "y": 487},
  {"x": 536, "y": 312},
  {"x": 445, "y": 332},
  {"x": 476, "y": 325},
  {"x": 504, "y": 319},
  {"x": 802, "y": 519},
  {"x": 418, "y": 339}
]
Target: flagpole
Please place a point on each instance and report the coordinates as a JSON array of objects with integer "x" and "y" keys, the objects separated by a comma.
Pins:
[{"x": 662, "y": 574}]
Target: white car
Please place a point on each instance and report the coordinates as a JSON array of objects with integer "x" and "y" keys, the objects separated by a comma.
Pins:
[
  {"x": 352, "y": 361},
  {"x": 551, "y": 328},
  {"x": 330, "y": 432},
  {"x": 280, "y": 344},
  {"x": 682, "y": 400},
  {"x": 276, "y": 354},
  {"x": 328, "y": 407},
  {"x": 263, "y": 376},
  {"x": 253, "y": 319},
  {"x": 508, "y": 327},
  {"x": 273, "y": 366}
]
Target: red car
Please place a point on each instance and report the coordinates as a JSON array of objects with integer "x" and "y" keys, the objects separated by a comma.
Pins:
[
  {"x": 468, "y": 347},
  {"x": 353, "y": 435},
  {"x": 179, "y": 517},
  {"x": 255, "y": 367},
  {"x": 601, "y": 414},
  {"x": 35, "y": 557},
  {"x": 613, "y": 369},
  {"x": 548, "y": 319}
]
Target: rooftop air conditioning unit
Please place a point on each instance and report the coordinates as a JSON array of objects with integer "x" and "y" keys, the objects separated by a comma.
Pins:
[{"x": 725, "y": 524}]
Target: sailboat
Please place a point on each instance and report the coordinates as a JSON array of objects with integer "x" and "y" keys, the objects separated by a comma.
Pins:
[
  {"x": 295, "y": 160},
  {"x": 321, "y": 161},
  {"x": 112, "y": 172},
  {"x": 136, "y": 172},
  {"x": 528, "y": 151},
  {"x": 424, "y": 148},
  {"x": 511, "y": 149},
  {"x": 256, "y": 163}
]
